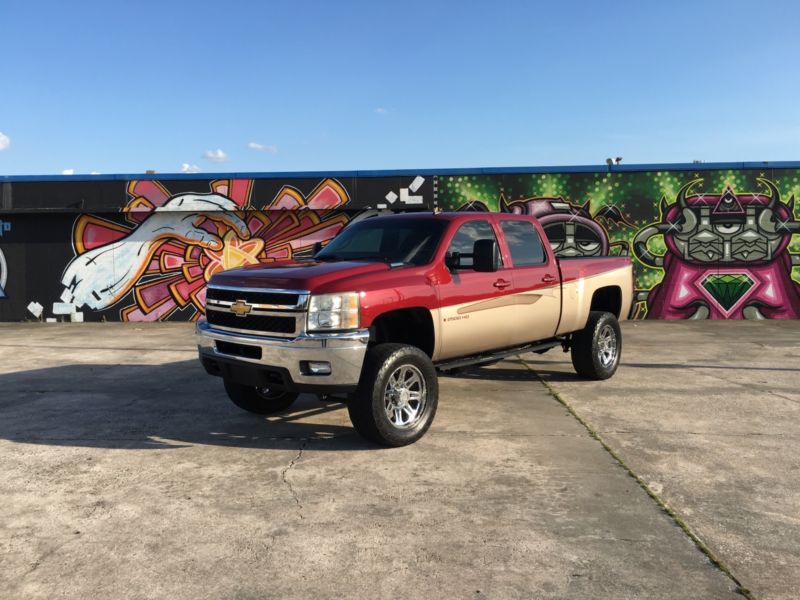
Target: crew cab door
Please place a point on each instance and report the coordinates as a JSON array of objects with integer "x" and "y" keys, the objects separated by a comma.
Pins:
[
  {"x": 537, "y": 287},
  {"x": 475, "y": 315}
]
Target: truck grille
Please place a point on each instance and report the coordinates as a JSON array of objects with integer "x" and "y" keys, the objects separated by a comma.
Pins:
[
  {"x": 288, "y": 300},
  {"x": 265, "y": 324},
  {"x": 265, "y": 312}
]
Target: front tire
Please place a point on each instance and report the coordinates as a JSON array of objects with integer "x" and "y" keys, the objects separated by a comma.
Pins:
[
  {"x": 397, "y": 396},
  {"x": 597, "y": 348},
  {"x": 261, "y": 401}
]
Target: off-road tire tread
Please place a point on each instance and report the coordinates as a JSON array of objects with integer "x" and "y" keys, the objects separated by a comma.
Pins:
[
  {"x": 584, "y": 356},
  {"x": 379, "y": 361}
]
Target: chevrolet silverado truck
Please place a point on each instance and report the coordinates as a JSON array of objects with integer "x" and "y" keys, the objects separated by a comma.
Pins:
[{"x": 392, "y": 299}]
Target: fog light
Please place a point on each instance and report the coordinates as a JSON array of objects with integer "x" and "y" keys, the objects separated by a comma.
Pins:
[{"x": 316, "y": 367}]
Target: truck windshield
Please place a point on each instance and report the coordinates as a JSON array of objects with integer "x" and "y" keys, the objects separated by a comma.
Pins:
[{"x": 392, "y": 240}]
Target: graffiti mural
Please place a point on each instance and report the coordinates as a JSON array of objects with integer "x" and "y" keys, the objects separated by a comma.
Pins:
[
  {"x": 5, "y": 227},
  {"x": 3, "y": 275},
  {"x": 571, "y": 229},
  {"x": 706, "y": 241},
  {"x": 701, "y": 248},
  {"x": 172, "y": 244},
  {"x": 727, "y": 255}
]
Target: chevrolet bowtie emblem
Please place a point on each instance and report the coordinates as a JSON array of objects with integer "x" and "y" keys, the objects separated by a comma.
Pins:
[{"x": 241, "y": 308}]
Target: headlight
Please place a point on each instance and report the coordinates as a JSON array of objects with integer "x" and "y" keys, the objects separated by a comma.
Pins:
[{"x": 333, "y": 311}]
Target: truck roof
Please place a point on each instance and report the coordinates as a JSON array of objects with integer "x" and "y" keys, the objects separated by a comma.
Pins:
[{"x": 448, "y": 216}]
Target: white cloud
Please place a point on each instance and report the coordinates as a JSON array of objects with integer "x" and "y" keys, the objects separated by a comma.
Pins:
[
  {"x": 268, "y": 148},
  {"x": 217, "y": 156},
  {"x": 68, "y": 172},
  {"x": 94, "y": 173},
  {"x": 187, "y": 168},
  {"x": 5, "y": 141},
  {"x": 381, "y": 110}
]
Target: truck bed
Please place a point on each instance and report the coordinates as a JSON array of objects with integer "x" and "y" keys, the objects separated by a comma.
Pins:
[{"x": 581, "y": 276}]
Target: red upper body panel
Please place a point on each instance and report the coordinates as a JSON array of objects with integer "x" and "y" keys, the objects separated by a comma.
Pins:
[
  {"x": 383, "y": 287},
  {"x": 580, "y": 268}
]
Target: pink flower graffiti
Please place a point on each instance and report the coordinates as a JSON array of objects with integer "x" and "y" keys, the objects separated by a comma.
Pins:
[{"x": 176, "y": 242}]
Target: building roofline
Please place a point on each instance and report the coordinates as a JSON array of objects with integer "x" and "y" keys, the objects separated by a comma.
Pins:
[{"x": 410, "y": 172}]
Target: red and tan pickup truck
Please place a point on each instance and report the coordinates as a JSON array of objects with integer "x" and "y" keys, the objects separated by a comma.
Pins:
[{"x": 391, "y": 299}]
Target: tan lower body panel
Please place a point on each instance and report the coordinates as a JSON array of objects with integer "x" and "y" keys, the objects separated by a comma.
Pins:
[
  {"x": 577, "y": 297},
  {"x": 475, "y": 327},
  {"x": 536, "y": 320}
]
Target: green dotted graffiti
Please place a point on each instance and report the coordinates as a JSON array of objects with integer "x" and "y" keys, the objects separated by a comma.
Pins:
[{"x": 637, "y": 196}]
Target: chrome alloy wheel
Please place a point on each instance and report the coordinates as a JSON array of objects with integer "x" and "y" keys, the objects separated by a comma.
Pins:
[
  {"x": 405, "y": 396},
  {"x": 607, "y": 345}
]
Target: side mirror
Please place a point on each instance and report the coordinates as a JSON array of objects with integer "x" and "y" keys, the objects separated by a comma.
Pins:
[
  {"x": 452, "y": 261},
  {"x": 316, "y": 248},
  {"x": 485, "y": 256}
]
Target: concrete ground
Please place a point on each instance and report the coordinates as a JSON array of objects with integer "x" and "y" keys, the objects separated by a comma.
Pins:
[
  {"x": 126, "y": 473},
  {"x": 708, "y": 416}
]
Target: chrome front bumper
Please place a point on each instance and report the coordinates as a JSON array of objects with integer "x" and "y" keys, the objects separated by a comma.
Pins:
[{"x": 286, "y": 357}]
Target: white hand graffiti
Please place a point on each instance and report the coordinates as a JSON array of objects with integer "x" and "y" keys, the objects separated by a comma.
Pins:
[{"x": 100, "y": 277}]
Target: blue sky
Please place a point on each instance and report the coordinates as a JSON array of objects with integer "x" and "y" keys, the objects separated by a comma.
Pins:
[{"x": 128, "y": 86}]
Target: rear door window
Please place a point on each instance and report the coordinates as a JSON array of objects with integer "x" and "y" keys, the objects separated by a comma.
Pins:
[{"x": 524, "y": 243}]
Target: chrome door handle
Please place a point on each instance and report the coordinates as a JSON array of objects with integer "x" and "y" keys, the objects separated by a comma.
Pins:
[
  {"x": 548, "y": 278},
  {"x": 501, "y": 284}
]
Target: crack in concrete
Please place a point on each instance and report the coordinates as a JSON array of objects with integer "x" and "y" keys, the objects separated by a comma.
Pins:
[
  {"x": 699, "y": 433},
  {"x": 44, "y": 556},
  {"x": 303, "y": 444},
  {"x": 662, "y": 504},
  {"x": 748, "y": 386},
  {"x": 784, "y": 397},
  {"x": 503, "y": 434}
]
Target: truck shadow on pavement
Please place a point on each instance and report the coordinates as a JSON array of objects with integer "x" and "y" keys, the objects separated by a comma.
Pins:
[
  {"x": 161, "y": 406},
  {"x": 176, "y": 404}
]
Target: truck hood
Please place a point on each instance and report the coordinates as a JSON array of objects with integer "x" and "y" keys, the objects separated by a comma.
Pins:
[{"x": 295, "y": 275}]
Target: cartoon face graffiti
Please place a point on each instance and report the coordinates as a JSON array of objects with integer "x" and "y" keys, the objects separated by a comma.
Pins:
[
  {"x": 726, "y": 257},
  {"x": 570, "y": 228},
  {"x": 728, "y": 228}
]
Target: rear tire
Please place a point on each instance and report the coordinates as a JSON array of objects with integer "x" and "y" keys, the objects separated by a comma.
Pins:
[
  {"x": 261, "y": 401},
  {"x": 397, "y": 396},
  {"x": 597, "y": 348}
]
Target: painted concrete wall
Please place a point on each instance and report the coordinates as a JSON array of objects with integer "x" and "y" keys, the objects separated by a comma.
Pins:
[{"x": 707, "y": 241}]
